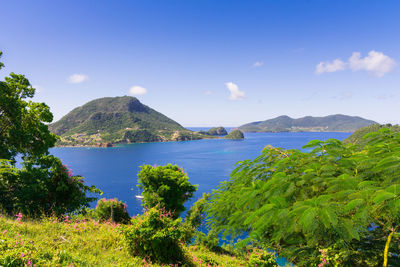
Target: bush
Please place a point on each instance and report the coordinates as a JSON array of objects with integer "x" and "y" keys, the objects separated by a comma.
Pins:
[
  {"x": 44, "y": 186},
  {"x": 156, "y": 235},
  {"x": 113, "y": 210},
  {"x": 262, "y": 258},
  {"x": 165, "y": 185}
]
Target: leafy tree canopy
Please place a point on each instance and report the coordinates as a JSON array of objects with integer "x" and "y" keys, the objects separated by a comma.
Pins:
[
  {"x": 166, "y": 185},
  {"x": 22, "y": 122},
  {"x": 334, "y": 197}
]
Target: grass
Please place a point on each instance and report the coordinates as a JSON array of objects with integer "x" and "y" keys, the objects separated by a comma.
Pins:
[{"x": 50, "y": 242}]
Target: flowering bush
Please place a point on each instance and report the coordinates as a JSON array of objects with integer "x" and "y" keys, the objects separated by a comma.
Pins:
[
  {"x": 44, "y": 186},
  {"x": 112, "y": 210},
  {"x": 156, "y": 236}
]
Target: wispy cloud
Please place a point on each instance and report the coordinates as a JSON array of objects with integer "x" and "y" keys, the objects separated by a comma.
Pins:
[
  {"x": 137, "y": 90},
  {"x": 257, "y": 64},
  {"x": 77, "y": 78},
  {"x": 333, "y": 66},
  {"x": 375, "y": 63},
  {"x": 208, "y": 92},
  {"x": 235, "y": 93}
]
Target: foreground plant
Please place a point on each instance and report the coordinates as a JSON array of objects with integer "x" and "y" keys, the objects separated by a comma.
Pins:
[{"x": 334, "y": 197}]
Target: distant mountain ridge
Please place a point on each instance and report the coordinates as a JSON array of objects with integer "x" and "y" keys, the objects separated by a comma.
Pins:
[
  {"x": 111, "y": 120},
  {"x": 331, "y": 123}
]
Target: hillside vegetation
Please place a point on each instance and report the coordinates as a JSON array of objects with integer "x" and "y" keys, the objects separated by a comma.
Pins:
[
  {"x": 357, "y": 137},
  {"x": 80, "y": 242},
  {"x": 113, "y": 120},
  {"x": 332, "y": 123}
]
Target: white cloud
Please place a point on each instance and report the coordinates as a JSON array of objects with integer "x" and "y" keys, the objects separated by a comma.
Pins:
[
  {"x": 208, "y": 92},
  {"x": 236, "y": 94},
  {"x": 137, "y": 90},
  {"x": 333, "y": 66},
  {"x": 77, "y": 78},
  {"x": 376, "y": 63},
  {"x": 257, "y": 64}
]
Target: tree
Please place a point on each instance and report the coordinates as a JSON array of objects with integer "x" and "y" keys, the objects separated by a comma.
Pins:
[
  {"x": 334, "y": 199},
  {"x": 166, "y": 185},
  {"x": 22, "y": 122},
  {"x": 43, "y": 186}
]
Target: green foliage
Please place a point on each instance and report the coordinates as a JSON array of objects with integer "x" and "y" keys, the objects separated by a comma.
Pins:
[
  {"x": 166, "y": 185},
  {"x": 217, "y": 131},
  {"x": 235, "y": 134},
  {"x": 299, "y": 202},
  {"x": 112, "y": 210},
  {"x": 332, "y": 123},
  {"x": 196, "y": 214},
  {"x": 262, "y": 258},
  {"x": 357, "y": 137},
  {"x": 209, "y": 240},
  {"x": 22, "y": 122},
  {"x": 44, "y": 186},
  {"x": 156, "y": 235}
]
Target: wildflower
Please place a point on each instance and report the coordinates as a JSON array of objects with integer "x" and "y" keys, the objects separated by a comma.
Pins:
[
  {"x": 4, "y": 232},
  {"x": 22, "y": 255},
  {"x": 19, "y": 216},
  {"x": 29, "y": 263}
]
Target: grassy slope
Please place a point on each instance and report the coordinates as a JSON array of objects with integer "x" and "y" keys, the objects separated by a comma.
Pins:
[{"x": 85, "y": 243}]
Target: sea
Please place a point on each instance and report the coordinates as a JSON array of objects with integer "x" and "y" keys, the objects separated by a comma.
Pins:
[{"x": 207, "y": 162}]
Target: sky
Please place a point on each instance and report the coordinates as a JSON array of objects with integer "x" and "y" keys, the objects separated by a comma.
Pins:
[{"x": 207, "y": 62}]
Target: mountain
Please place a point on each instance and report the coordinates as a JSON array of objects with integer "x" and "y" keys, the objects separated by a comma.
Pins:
[
  {"x": 110, "y": 120},
  {"x": 235, "y": 134},
  {"x": 332, "y": 123}
]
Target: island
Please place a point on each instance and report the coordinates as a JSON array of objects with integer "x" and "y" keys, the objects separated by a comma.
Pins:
[
  {"x": 215, "y": 131},
  {"x": 108, "y": 121},
  {"x": 331, "y": 123},
  {"x": 235, "y": 134}
]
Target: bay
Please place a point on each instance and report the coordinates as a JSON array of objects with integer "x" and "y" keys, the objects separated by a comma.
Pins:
[{"x": 207, "y": 162}]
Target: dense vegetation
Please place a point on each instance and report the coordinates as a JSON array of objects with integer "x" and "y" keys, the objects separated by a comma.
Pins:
[
  {"x": 215, "y": 131},
  {"x": 43, "y": 185},
  {"x": 334, "y": 204},
  {"x": 330, "y": 204},
  {"x": 357, "y": 137},
  {"x": 235, "y": 134},
  {"x": 332, "y": 123},
  {"x": 118, "y": 120}
]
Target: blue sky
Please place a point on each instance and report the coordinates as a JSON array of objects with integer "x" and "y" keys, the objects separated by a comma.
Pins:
[{"x": 209, "y": 63}]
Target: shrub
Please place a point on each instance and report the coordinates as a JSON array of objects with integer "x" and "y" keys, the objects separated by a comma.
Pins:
[
  {"x": 165, "y": 185},
  {"x": 113, "y": 210},
  {"x": 44, "y": 186},
  {"x": 156, "y": 235},
  {"x": 262, "y": 258}
]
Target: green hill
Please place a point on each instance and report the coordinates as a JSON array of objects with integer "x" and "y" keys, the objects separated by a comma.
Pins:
[
  {"x": 357, "y": 137},
  {"x": 235, "y": 134},
  {"x": 111, "y": 120},
  {"x": 332, "y": 123}
]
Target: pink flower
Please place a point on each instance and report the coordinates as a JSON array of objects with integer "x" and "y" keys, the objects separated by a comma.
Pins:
[
  {"x": 4, "y": 232},
  {"x": 29, "y": 263},
  {"x": 22, "y": 255}
]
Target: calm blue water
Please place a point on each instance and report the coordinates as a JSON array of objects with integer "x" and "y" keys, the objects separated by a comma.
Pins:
[{"x": 207, "y": 162}]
